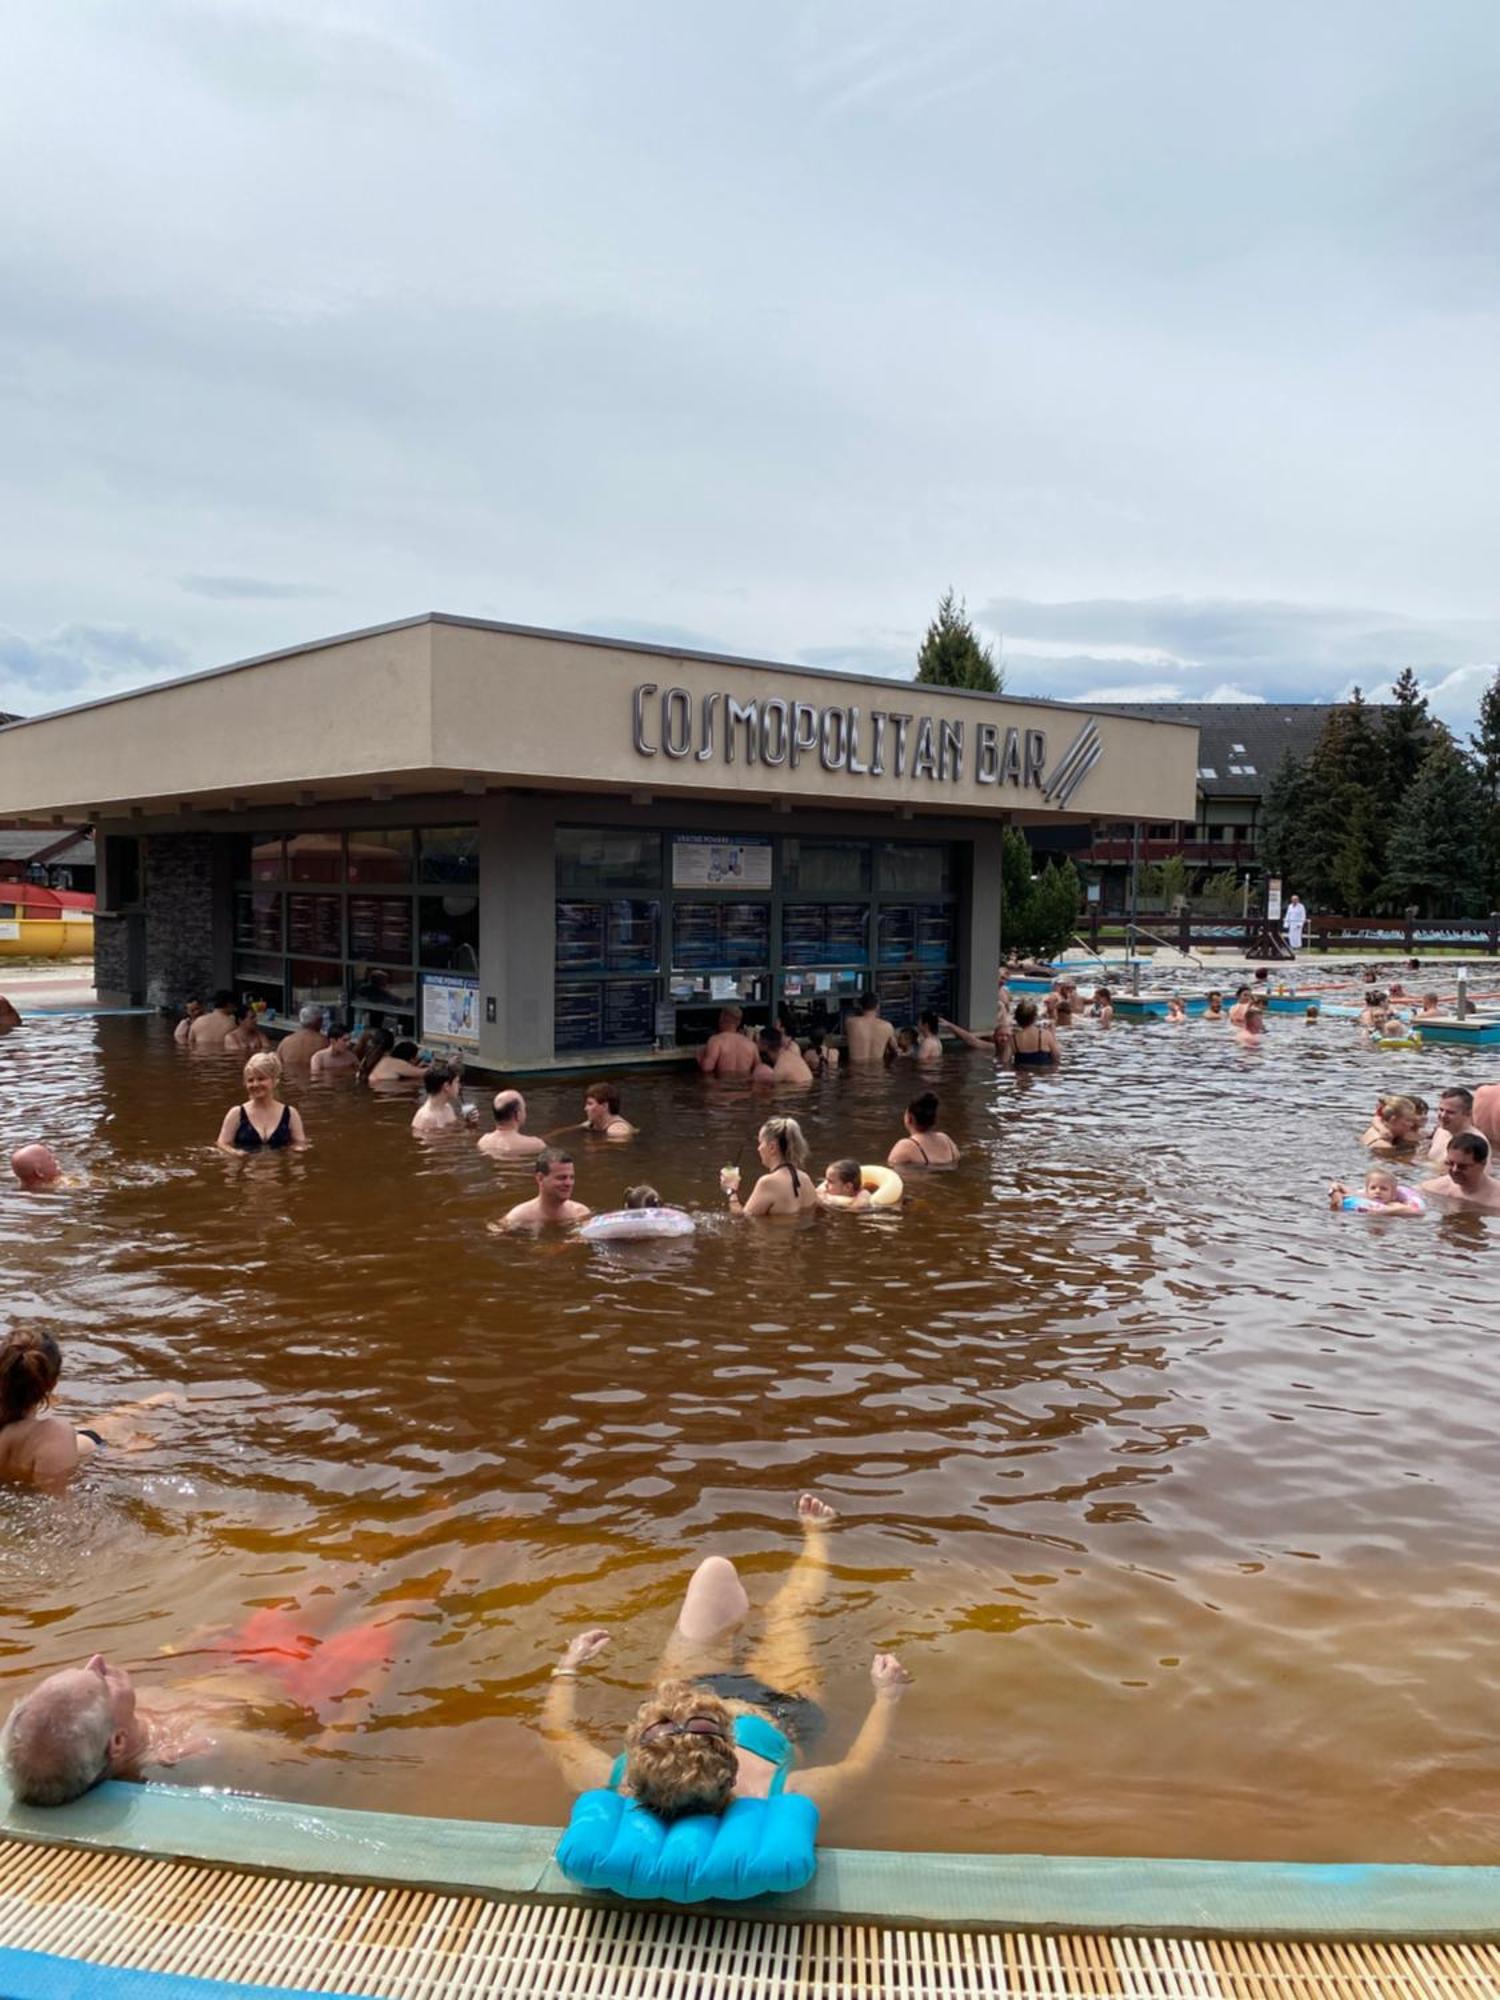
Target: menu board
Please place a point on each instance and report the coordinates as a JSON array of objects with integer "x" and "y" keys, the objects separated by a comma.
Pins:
[
  {"x": 934, "y": 935},
  {"x": 580, "y": 937},
  {"x": 745, "y": 934},
  {"x": 898, "y": 935},
  {"x": 315, "y": 926},
  {"x": 630, "y": 935},
  {"x": 450, "y": 1008},
  {"x": 823, "y": 933},
  {"x": 576, "y": 1018},
  {"x": 257, "y": 920},
  {"x": 848, "y": 928},
  {"x": 706, "y": 861},
  {"x": 629, "y": 1013},
  {"x": 893, "y": 991},
  {"x": 721, "y": 934},
  {"x": 380, "y": 927}
]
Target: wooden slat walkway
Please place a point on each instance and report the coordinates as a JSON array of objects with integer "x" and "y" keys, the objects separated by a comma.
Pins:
[{"x": 409, "y": 1944}]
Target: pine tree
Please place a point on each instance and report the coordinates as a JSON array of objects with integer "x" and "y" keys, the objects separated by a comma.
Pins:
[
  {"x": 1054, "y": 909},
  {"x": 1283, "y": 826},
  {"x": 1433, "y": 860},
  {"x": 951, "y": 654},
  {"x": 1486, "y": 742},
  {"x": 1406, "y": 729},
  {"x": 1016, "y": 891},
  {"x": 1343, "y": 794}
]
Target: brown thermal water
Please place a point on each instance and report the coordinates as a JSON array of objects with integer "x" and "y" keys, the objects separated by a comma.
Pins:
[{"x": 1177, "y": 1494}]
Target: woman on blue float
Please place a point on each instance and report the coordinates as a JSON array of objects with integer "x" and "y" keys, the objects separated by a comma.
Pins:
[{"x": 708, "y": 1799}]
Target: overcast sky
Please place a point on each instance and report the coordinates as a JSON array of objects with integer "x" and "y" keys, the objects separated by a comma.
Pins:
[{"x": 1165, "y": 330}]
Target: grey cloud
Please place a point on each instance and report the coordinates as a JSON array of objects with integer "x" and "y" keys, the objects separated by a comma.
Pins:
[
  {"x": 79, "y": 661},
  {"x": 247, "y": 586}
]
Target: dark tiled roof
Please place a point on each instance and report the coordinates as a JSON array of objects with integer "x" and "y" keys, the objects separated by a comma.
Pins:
[
  {"x": 1251, "y": 735},
  {"x": 57, "y": 844}
]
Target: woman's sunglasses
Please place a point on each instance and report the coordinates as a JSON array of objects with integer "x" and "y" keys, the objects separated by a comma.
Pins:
[{"x": 696, "y": 1725}]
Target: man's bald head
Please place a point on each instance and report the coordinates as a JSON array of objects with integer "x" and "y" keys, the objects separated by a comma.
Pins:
[
  {"x": 56, "y": 1742},
  {"x": 510, "y": 1108},
  {"x": 35, "y": 1166}
]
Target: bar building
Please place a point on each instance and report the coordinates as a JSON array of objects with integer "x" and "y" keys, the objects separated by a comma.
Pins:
[{"x": 545, "y": 849}]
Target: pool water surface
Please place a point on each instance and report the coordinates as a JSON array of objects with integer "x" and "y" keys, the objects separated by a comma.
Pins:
[{"x": 1175, "y": 1492}]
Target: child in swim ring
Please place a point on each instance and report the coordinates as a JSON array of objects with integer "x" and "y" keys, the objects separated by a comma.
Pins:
[
  {"x": 844, "y": 1182},
  {"x": 1383, "y": 1195}
]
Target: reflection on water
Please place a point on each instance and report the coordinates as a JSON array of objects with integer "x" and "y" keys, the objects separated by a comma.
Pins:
[{"x": 1176, "y": 1493}]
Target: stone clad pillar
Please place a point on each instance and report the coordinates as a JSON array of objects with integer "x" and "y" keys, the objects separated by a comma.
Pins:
[{"x": 186, "y": 893}]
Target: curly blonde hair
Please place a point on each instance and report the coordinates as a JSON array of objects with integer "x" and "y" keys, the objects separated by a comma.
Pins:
[
  {"x": 676, "y": 1775},
  {"x": 264, "y": 1065}
]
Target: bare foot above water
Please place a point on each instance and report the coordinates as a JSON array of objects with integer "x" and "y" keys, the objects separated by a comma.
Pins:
[{"x": 813, "y": 1512}]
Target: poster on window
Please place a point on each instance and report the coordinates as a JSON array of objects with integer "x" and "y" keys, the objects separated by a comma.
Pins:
[
  {"x": 704, "y": 861},
  {"x": 450, "y": 1008}
]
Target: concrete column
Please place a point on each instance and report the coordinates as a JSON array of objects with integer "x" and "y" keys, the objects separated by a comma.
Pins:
[
  {"x": 517, "y": 895},
  {"x": 979, "y": 931}
]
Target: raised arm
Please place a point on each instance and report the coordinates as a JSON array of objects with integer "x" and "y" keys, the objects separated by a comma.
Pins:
[
  {"x": 828, "y": 1782},
  {"x": 581, "y": 1762},
  {"x": 967, "y": 1035}
]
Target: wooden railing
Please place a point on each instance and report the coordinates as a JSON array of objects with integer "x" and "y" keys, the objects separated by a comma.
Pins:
[{"x": 1255, "y": 937}]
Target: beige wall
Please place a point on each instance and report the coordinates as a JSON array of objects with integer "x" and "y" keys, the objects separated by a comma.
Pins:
[{"x": 421, "y": 705}]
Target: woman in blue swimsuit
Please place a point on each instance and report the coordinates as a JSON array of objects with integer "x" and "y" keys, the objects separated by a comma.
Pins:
[
  {"x": 706, "y": 1735},
  {"x": 262, "y": 1123}
]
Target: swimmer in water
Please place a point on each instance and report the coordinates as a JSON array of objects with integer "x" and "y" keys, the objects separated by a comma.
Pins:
[
  {"x": 36, "y": 1168},
  {"x": 245, "y": 1037},
  {"x": 442, "y": 1108},
  {"x": 1455, "y": 1115},
  {"x": 1033, "y": 1043},
  {"x": 821, "y": 1057},
  {"x": 1314, "y": 1012},
  {"x": 338, "y": 1059},
  {"x": 844, "y": 1181},
  {"x": 1176, "y": 1013},
  {"x": 1243, "y": 999},
  {"x": 868, "y": 1036},
  {"x": 1468, "y": 1182},
  {"x": 553, "y": 1206},
  {"x": 209, "y": 1032},
  {"x": 1252, "y": 1029},
  {"x": 1430, "y": 1005},
  {"x": 601, "y": 1113},
  {"x": 785, "y": 1188},
  {"x": 784, "y": 1060},
  {"x": 1215, "y": 1009},
  {"x": 262, "y": 1122},
  {"x": 191, "y": 1009},
  {"x": 388, "y": 1064},
  {"x": 1383, "y": 1195},
  {"x": 929, "y": 1047},
  {"x": 1395, "y": 1131},
  {"x": 510, "y": 1140},
  {"x": 707, "y": 1734},
  {"x": 643, "y": 1196},
  {"x": 84, "y": 1724},
  {"x": 729, "y": 1052},
  {"x": 924, "y": 1145},
  {"x": 1102, "y": 1006},
  {"x": 303, "y": 1043},
  {"x": 37, "y": 1448}
]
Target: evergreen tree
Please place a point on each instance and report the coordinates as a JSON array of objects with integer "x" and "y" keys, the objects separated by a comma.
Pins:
[
  {"x": 1406, "y": 729},
  {"x": 1486, "y": 742},
  {"x": 1016, "y": 892},
  {"x": 1343, "y": 795},
  {"x": 951, "y": 654},
  {"x": 1054, "y": 909},
  {"x": 1433, "y": 860},
  {"x": 1283, "y": 826}
]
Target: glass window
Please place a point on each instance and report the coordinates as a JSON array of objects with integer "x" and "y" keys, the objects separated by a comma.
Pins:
[
  {"x": 632, "y": 935},
  {"x": 448, "y": 929},
  {"x": 315, "y": 926},
  {"x": 257, "y": 920},
  {"x": 577, "y": 1018},
  {"x": 380, "y": 927},
  {"x": 722, "y": 935},
  {"x": 314, "y": 981},
  {"x": 913, "y": 869},
  {"x": 579, "y": 934},
  {"x": 261, "y": 979},
  {"x": 381, "y": 857},
  {"x": 266, "y": 859},
  {"x": 600, "y": 859},
  {"x": 379, "y": 987},
  {"x": 450, "y": 854},
  {"x": 825, "y": 867},
  {"x": 825, "y": 933},
  {"x": 315, "y": 857}
]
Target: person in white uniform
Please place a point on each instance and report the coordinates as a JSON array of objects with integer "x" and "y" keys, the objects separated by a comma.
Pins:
[{"x": 1296, "y": 920}]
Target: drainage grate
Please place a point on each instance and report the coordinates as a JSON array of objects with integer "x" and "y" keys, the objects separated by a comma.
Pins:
[{"x": 409, "y": 1944}]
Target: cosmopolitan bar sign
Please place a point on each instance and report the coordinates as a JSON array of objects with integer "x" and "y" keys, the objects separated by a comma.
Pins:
[{"x": 874, "y": 743}]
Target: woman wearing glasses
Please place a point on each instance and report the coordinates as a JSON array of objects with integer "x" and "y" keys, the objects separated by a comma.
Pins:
[{"x": 708, "y": 1735}]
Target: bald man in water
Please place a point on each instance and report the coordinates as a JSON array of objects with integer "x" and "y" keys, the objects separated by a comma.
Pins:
[
  {"x": 36, "y": 1168},
  {"x": 509, "y": 1141},
  {"x": 730, "y": 1052}
]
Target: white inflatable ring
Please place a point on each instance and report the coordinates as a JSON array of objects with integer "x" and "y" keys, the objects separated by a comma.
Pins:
[
  {"x": 885, "y": 1185},
  {"x": 625, "y": 1225}
]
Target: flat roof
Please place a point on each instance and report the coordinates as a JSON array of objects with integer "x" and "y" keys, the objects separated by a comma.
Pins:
[{"x": 657, "y": 650}]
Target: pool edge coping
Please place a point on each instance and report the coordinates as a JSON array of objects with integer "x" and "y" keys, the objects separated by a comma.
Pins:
[{"x": 1165, "y": 1896}]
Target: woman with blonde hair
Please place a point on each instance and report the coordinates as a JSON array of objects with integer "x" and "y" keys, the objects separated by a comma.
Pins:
[
  {"x": 1395, "y": 1131},
  {"x": 708, "y": 1736},
  {"x": 262, "y": 1122},
  {"x": 785, "y": 1188}
]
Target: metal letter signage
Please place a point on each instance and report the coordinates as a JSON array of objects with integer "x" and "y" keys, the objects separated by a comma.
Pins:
[{"x": 866, "y": 743}]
